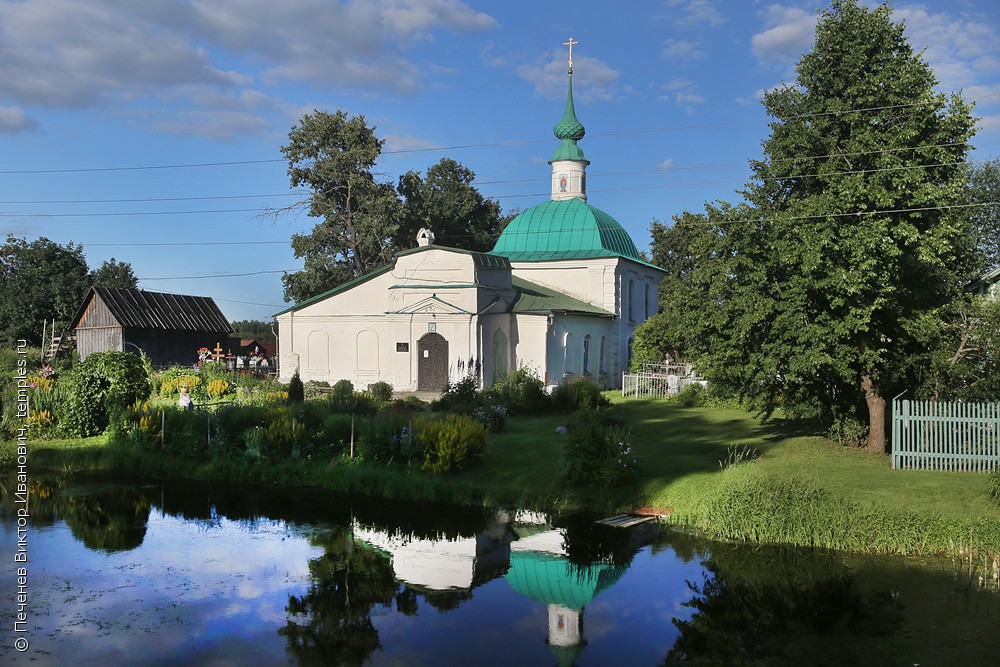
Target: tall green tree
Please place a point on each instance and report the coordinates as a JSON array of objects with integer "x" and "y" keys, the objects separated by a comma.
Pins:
[
  {"x": 446, "y": 202},
  {"x": 823, "y": 290},
  {"x": 333, "y": 156},
  {"x": 981, "y": 193},
  {"x": 112, "y": 273},
  {"x": 39, "y": 280},
  {"x": 680, "y": 249}
]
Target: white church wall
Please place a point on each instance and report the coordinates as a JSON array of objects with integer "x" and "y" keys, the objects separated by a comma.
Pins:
[
  {"x": 575, "y": 350},
  {"x": 584, "y": 279},
  {"x": 529, "y": 338}
]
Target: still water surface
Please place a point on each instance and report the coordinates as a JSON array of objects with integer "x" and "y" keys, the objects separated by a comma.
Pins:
[{"x": 162, "y": 574}]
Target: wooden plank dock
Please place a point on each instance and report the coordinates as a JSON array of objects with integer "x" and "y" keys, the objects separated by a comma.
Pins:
[
  {"x": 635, "y": 517},
  {"x": 625, "y": 520}
]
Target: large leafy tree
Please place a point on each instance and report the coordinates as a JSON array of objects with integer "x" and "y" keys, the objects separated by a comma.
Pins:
[
  {"x": 819, "y": 294},
  {"x": 333, "y": 156},
  {"x": 680, "y": 249},
  {"x": 981, "y": 195},
  {"x": 39, "y": 280},
  {"x": 446, "y": 202},
  {"x": 112, "y": 273}
]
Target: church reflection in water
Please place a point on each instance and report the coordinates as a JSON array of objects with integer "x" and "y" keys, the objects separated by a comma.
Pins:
[{"x": 562, "y": 567}]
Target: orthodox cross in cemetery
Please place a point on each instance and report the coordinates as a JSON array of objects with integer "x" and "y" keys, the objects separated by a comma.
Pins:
[{"x": 217, "y": 352}]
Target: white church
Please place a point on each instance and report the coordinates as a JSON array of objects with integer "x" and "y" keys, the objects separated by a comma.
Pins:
[{"x": 561, "y": 294}]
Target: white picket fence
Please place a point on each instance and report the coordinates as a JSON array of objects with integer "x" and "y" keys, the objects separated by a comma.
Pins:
[{"x": 943, "y": 435}]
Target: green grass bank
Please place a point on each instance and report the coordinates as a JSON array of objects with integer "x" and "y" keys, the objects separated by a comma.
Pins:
[{"x": 799, "y": 489}]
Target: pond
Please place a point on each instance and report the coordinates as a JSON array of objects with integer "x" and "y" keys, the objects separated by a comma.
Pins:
[{"x": 128, "y": 573}]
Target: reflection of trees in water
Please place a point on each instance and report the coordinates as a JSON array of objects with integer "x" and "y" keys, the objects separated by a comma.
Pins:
[
  {"x": 332, "y": 622},
  {"x": 787, "y": 605},
  {"x": 110, "y": 519},
  {"x": 105, "y": 517}
]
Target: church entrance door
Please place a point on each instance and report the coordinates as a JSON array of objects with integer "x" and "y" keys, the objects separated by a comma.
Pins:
[{"x": 432, "y": 362}]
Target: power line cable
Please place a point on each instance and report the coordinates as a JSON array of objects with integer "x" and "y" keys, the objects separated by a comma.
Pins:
[
  {"x": 218, "y": 275},
  {"x": 494, "y": 144},
  {"x": 508, "y": 196}
]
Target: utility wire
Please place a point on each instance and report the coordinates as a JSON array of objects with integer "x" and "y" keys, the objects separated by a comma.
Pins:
[
  {"x": 218, "y": 275},
  {"x": 678, "y": 128},
  {"x": 508, "y": 196}
]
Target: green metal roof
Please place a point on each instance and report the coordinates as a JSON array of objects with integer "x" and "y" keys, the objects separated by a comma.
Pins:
[
  {"x": 533, "y": 298},
  {"x": 567, "y": 229},
  {"x": 554, "y": 580}
]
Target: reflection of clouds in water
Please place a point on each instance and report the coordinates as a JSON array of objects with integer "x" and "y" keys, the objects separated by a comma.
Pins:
[{"x": 166, "y": 596}]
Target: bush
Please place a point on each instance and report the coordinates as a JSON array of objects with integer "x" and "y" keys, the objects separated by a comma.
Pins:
[
  {"x": 849, "y": 431},
  {"x": 493, "y": 417},
  {"x": 461, "y": 397},
  {"x": 296, "y": 390},
  {"x": 387, "y": 437},
  {"x": 105, "y": 383},
  {"x": 381, "y": 391},
  {"x": 596, "y": 453},
  {"x": 522, "y": 392},
  {"x": 335, "y": 433},
  {"x": 995, "y": 485},
  {"x": 449, "y": 443},
  {"x": 578, "y": 394}
]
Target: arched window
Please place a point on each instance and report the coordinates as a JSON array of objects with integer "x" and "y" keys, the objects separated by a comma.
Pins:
[
  {"x": 586, "y": 354},
  {"x": 631, "y": 300},
  {"x": 600, "y": 361},
  {"x": 645, "y": 299}
]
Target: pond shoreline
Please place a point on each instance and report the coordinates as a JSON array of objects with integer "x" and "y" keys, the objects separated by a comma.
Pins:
[{"x": 744, "y": 503}]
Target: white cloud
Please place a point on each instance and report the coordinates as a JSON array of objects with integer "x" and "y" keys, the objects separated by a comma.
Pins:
[
  {"x": 666, "y": 165},
  {"x": 70, "y": 54},
  {"x": 13, "y": 120},
  {"x": 592, "y": 78},
  {"x": 790, "y": 32},
  {"x": 961, "y": 49},
  {"x": 697, "y": 12},
  {"x": 683, "y": 49},
  {"x": 683, "y": 93},
  {"x": 397, "y": 142}
]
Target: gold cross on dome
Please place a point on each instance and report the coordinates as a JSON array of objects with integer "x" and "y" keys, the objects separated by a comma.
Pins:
[{"x": 570, "y": 44}]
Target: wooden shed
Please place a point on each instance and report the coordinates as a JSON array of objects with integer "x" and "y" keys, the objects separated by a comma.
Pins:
[{"x": 169, "y": 328}]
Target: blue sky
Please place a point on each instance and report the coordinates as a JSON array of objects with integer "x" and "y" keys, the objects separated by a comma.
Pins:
[{"x": 136, "y": 127}]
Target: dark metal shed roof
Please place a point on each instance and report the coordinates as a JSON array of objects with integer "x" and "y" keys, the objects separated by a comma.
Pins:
[{"x": 139, "y": 309}]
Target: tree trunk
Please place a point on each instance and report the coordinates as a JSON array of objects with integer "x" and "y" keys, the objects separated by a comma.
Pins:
[{"x": 876, "y": 416}]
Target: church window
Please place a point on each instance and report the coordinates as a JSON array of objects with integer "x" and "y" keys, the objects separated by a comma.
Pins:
[
  {"x": 586, "y": 354},
  {"x": 600, "y": 359},
  {"x": 645, "y": 299}
]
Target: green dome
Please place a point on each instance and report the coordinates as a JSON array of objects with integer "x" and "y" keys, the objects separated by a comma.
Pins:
[
  {"x": 566, "y": 229},
  {"x": 553, "y": 580},
  {"x": 568, "y": 126},
  {"x": 569, "y": 129}
]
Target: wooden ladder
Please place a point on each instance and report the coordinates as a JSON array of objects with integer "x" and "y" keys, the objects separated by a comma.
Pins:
[{"x": 57, "y": 342}]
